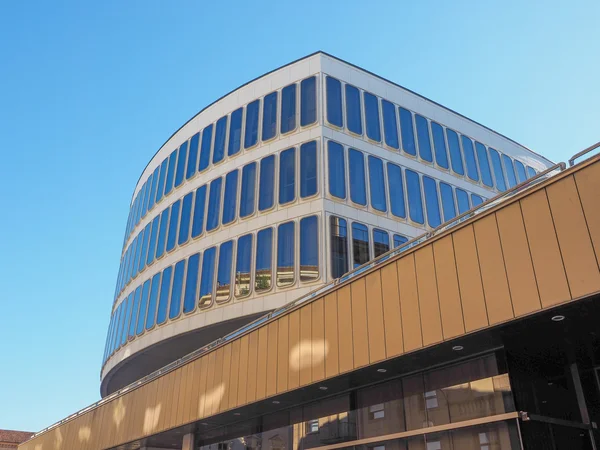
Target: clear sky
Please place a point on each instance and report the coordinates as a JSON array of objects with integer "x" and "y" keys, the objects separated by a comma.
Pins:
[{"x": 90, "y": 90}]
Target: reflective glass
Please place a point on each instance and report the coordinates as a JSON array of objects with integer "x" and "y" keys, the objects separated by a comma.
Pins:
[
  {"x": 390, "y": 128},
  {"x": 498, "y": 172},
  {"x": 431, "y": 202},
  {"x": 152, "y": 196},
  {"x": 396, "y": 189},
  {"x": 235, "y": 132},
  {"x": 154, "y": 289},
  {"x": 372, "y": 117},
  {"x": 181, "y": 161},
  {"x": 531, "y": 172},
  {"x": 205, "y": 148},
  {"x": 223, "y": 290},
  {"x": 135, "y": 312},
  {"x": 144, "y": 252},
  {"x": 143, "y": 308},
  {"x": 521, "y": 173},
  {"x": 339, "y": 246},
  {"x": 484, "y": 164},
  {"x": 269, "y": 122},
  {"x": 214, "y": 204},
  {"x": 358, "y": 189},
  {"x": 230, "y": 197},
  {"x": 243, "y": 268},
  {"x": 407, "y": 132},
  {"x": 125, "y": 328},
  {"x": 334, "y": 102},
  {"x": 115, "y": 334},
  {"x": 353, "y": 109},
  {"x": 360, "y": 244},
  {"x": 285, "y": 254},
  {"x": 153, "y": 238},
  {"x": 287, "y": 176},
  {"x": 399, "y": 240},
  {"x": 184, "y": 223},
  {"x": 173, "y": 225},
  {"x": 160, "y": 189},
  {"x": 251, "y": 135},
  {"x": 192, "y": 162},
  {"x": 165, "y": 289},
  {"x": 132, "y": 253},
  {"x": 381, "y": 242},
  {"x": 309, "y": 249},
  {"x": 220, "y": 136},
  {"x": 288, "y": 108},
  {"x": 423, "y": 138},
  {"x": 308, "y": 169},
  {"x": 247, "y": 194},
  {"x": 144, "y": 197},
  {"x": 510, "y": 171},
  {"x": 176, "y": 289},
  {"x": 415, "y": 204},
  {"x": 455, "y": 156},
  {"x": 469, "y": 154},
  {"x": 476, "y": 200},
  {"x": 171, "y": 172},
  {"x": 266, "y": 196},
  {"x": 462, "y": 200},
  {"x": 191, "y": 284},
  {"x": 162, "y": 232},
  {"x": 208, "y": 277},
  {"x": 337, "y": 169},
  {"x": 377, "y": 184},
  {"x": 308, "y": 101},
  {"x": 264, "y": 250},
  {"x": 448, "y": 208},
  {"x": 199, "y": 204}
]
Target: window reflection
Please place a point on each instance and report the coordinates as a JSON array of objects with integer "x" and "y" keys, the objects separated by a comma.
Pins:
[
  {"x": 308, "y": 101},
  {"x": 462, "y": 199},
  {"x": 285, "y": 254},
  {"x": 309, "y": 249},
  {"x": 353, "y": 109},
  {"x": 372, "y": 117},
  {"x": 153, "y": 238},
  {"x": 390, "y": 130},
  {"x": 521, "y": 173},
  {"x": 266, "y": 196},
  {"x": 173, "y": 225},
  {"x": 337, "y": 169},
  {"x": 288, "y": 108},
  {"x": 214, "y": 204},
  {"x": 247, "y": 202},
  {"x": 154, "y": 288},
  {"x": 415, "y": 204},
  {"x": 531, "y": 172},
  {"x": 510, "y": 171},
  {"x": 208, "y": 276},
  {"x": 181, "y": 161},
  {"x": 223, "y": 289},
  {"x": 287, "y": 176},
  {"x": 334, "y": 101},
  {"x": 269, "y": 123},
  {"x": 399, "y": 240},
  {"x": 339, "y": 246},
  {"x": 498, "y": 172},
  {"x": 408, "y": 135},
  {"x": 199, "y": 204},
  {"x": 186, "y": 211},
  {"x": 192, "y": 156},
  {"x": 423, "y": 138},
  {"x": 235, "y": 132},
  {"x": 431, "y": 202},
  {"x": 484, "y": 164},
  {"x": 448, "y": 207},
  {"x": 377, "y": 184},
  {"x": 358, "y": 189},
  {"x": 396, "y": 190},
  {"x": 171, "y": 172},
  {"x": 476, "y": 200},
  {"x": 308, "y": 169},
  {"x": 220, "y": 135},
  {"x": 230, "y": 197},
  {"x": 205, "y": 149},
  {"x": 191, "y": 283},
  {"x": 243, "y": 266},
  {"x": 264, "y": 249},
  {"x": 160, "y": 189},
  {"x": 152, "y": 195},
  {"x": 165, "y": 289},
  {"x": 251, "y": 135},
  {"x": 360, "y": 244},
  {"x": 455, "y": 155},
  {"x": 143, "y": 308},
  {"x": 176, "y": 289},
  {"x": 470, "y": 161},
  {"x": 381, "y": 242}
]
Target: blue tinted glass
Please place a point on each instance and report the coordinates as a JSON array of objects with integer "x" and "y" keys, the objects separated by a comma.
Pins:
[
  {"x": 264, "y": 249},
  {"x": 247, "y": 195},
  {"x": 447, "y": 201},
  {"x": 396, "y": 189},
  {"x": 208, "y": 275},
  {"x": 521, "y": 173},
  {"x": 214, "y": 204},
  {"x": 309, "y": 249},
  {"x": 360, "y": 245},
  {"x": 285, "y": 254},
  {"x": 498, "y": 172},
  {"x": 152, "y": 197},
  {"x": 484, "y": 164},
  {"x": 205, "y": 148},
  {"x": 138, "y": 206},
  {"x": 266, "y": 196},
  {"x": 191, "y": 283},
  {"x": 153, "y": 238},
  {"x": 469, "y": 155},
  {"x": 131, "y": 262},
  {"x": 160, "y": 189},
  {"x": 462, "y": 199},
  {"x": 353, "y": 109},
  {"x": 251, "y": 135},
  {"x": 510, "y": 171},
  {"x": 220, "y": 135},
  {"x": 171, "y": 172},
  {"x": 154, "y": 289},
  {"x": 144, "y": 197},
  {"x": 372, "y": 117},
  {"x": 192, "y": 161},
  {"x": 339, "y": 246},
  {"x": 455, "y": 156},
  {"x": 269, "y": 124},
  {"x": 287, "y": 176},
  {"x": 334, "y": 102},
  {"x": 199, "y": 203},
  {"x": 242, "y": 266},
  {"x": 125, "y": 328},
  {"x": 184, "y": 223},
  {"x": 288, "y": 108},
  {"x": 223, "y": 289},
  {"x": 431, "y": 202},
  {"x": 119, "y": 321},
  {"x": 381, "y": 242},
  {"x": 173, "y": 225},
  {"x": 230, "y": 197},
  {"x": 235, "y": 132},
  {"x": 162, "y": 233},
  {"x": 358, "y": 190},
  {"x": 177, "y": 289},
  {"x": 143, "y": 308},
  {"x": 408, "y": 135},
  {"x": 308, "y": 169},
  {"x": 531, "y": 172},
  {"x": 399, "y": 240},
  {"x": 423, "y": 138},
  {"x": 390, "y": 129},
  {"x": 377, "y": 184},
  {"x": 308, "y": 101},
  {"x": 135, "y": 312},
  {"x": 144, "y": 251},
  {"x": 181, "y": 162},
  {"x": 165, "y": 289},
  {"x": 415, "y": 204},
  {"x": 476, "y": 200},
  {"x": 337, "y": 169}
]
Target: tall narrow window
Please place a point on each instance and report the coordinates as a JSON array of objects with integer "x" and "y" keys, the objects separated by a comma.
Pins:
[
  {"x": 184, "y": 223},
  {"x": 269, "y": 122},
  {"x": 251, "y": 135},
  {"x": 462, "y": 199},
  {"x": 152, "y": 196},
  {"x": 431, "y": 201},
  {"x": 531, "y": 172},
  {"x": 372, "y": 123},
  {"x": 143, "y": 308},
  {"x": 484, "y": 164},
  {"x": 288, "y": 108},
  {"x": 243, "y": 269},
  {"x": 177, "y": 289},
  {"x": 498, "y": 172},
  {"x": 192, "y": 162},
  {"x": 423, "y": 138},
  {"x": 144, "y": 192},
  {"x": 171, "y": 172},
  {"x": 309, "y": 249},
  {"x": 129, "y": 304},
  {"x": 338, "y": 230},
  {"x": 173, "y": 225},
  {"x": 308, "y": 169},
  {"x": 337, "y": 169},
  {"x": 154, "y": 289},
  {"x": 390, "y": 128},
  {"x": 230, "y": 197},
  {"x": 476, "y": 200},
  {"x": 455, "y": 156},
  {"x": 266, "y": 196},
  {"x": 408, "y": 135},
  {"x": 223, "y": 290},
  {"x": 153, "y": 238},
  {"x": 165, "y": 290},
  {"x": 469, "y": 154},
  {"x": 205, "y": 148},
  {"x": 138, "y": 251},
  {"x": 118, "y": 326},
  {"x": 287, "y": 176},
  {"x": 308, "y": 101},
  {"x": 144, "y": 251},
  {"x": 191, "y": 284},
  {"x": 377, "y": 184},
  {"x": 448, "y": 207},
  {"x": 353, "y": 109},
  {"x": 510, "y": 171},
  {"x": 199, "y": 204},
  {"x": 415, "y": 202},
  {"x": 135, "y": 312},
  {"x": 220, "y": 136},
  {"x": 381, "y": 242},
  {"x": 235, "y": 132},
  {"x": 160, "y": 189},
  {"x": 181, "y": 161},
  {"x": 360, "y": 244},
  {"x": 214, "y": 204},
  {"x": 396, "y": 189},
  {"x": 521, "y": 173},
  {"x": 264, "y": 250},
  {"x": 247, "y": 194},
  {"x": 208, "y": 276},
  {"x": 285, "y": 254},
  {"x": 358, "y": 189},
  {"x": 399, "y": 240},
  {"x": 334, "y": 102}
]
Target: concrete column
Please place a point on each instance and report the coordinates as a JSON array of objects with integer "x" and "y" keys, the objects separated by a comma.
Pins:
[{"x": 188, "y": 442}]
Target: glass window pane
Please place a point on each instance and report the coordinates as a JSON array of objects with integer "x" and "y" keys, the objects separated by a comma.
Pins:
[
  {"x": 243, "y": 266},
  {"x": 439, "y": 145},
  {"x": 133, "y": 251},
  {"x": 415, "y": 204},
  {"x": 396, "y": 188},
  {"x": 192, "y": 161},
  {"x": 521, "y": 173},
  {"x": 372, "y": 117},
  {"x": 462, "y": 199},
  {"x": 181, "y": 161},
  {"x": 264, "y": 249},
  {"x": 152, "y": 196},
  {"x": 399, "y": 240},
  {"x": 144, "y": 252},
  {"x": 251, "y": 135},
  {"x": 266, "y": 196},
  {"x": 287, "y": 176},
  {"x": 308, "y": 101},
  {"x": 377, "y": 184},
  {"x": 154, "y": 288},
  {"x": 339, "y": 246},
  {"x": 531, "y": 172},
  {"x": 337, "y": 169},
  {"x": 153, "y": 238},
  {"x": 390, "y": 130},
  {"x": 191, "y": 284},
  {"x": 308, "y": 169},
  {"x": 247, "y": 202},
  {"x": 160, "y": 189},
  {"x": 135, "y": 312},
  {"x": 165, "y": 289},
  {"x": 171, "y": 172},
  {"x": 353, "y": 109},
  {"x": 423, "y": 138},
  {"x": 214, "y": 204},
  {"x": 173, "y": 225},
  {"x": 381, "y": 242},
  {"x": 230, "y": 197},
  {"x": 309, "y": 249},
  {"x": 510, "y": 171},
  {"x": 334, "y": 102},
  {"x": 358, "y": 189},
  {"x": 408, "y": 134},
  {"x": 455, "y": 156},
  {"x": 484, "y": 164},
  {"x": 269, "y": 123},
  {"x": 208, "y": 276},
  {"x": 476, "y": 200},
  {"x": 123, "y": 332},
  {"x": 498, "y": 172},
  {"x": 360, "y": 244},
  {"x": 143, "y": 308},
  {"x": 186, "y": 212},
  {"x": 288, "y": 108},
  {"x": 205, "y": 148},
  {"x": 144, "y": 197},
  {"x": 446, "y": 192},
  {"x": 235, "y": 132},
  {"x": 177, "y": 289},
  {"x": 469, "y": 155},
  {"x": 285, "y": 254},
  {"x": 431, "y": 202},
  {"x": 223, "y": 290},
  {"x": 199, "y": 206},
  {"x": 220, "y": 136}
]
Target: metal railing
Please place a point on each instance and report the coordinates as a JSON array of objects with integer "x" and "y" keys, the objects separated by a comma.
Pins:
[{"x": 583, "y": 152}]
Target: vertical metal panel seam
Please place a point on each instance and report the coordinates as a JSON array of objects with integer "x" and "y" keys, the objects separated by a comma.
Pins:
[
  {"x": 586, "y": 221},
  {"x": 512, "y": 307},
  {"x": 537, "y": 287},
  {"x": 480, "y": 275}
]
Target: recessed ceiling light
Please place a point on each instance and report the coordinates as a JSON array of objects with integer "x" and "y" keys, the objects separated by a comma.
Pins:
[
  {"x": 544, "y": 401},
  {"x": 323, "y": 388},
  {"x": 457, "y": 348},
  {"x": 236, "y": 414},
  {"x": 558, "y": 318},
  {"x": 550, "y": 383},
  {"x": 276, "y": 402},
  {"x": 204, "y": 424},
  {"x": 382, "y": 370}
]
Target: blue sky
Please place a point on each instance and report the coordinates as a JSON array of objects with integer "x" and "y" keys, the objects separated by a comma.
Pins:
[{"x": 90, "y": 90}]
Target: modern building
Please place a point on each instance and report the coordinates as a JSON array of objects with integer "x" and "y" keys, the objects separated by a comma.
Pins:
[{"x": 248, "y": 314}]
